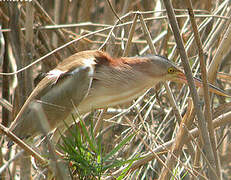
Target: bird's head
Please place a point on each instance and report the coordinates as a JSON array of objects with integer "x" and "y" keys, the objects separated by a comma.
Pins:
[{"x": 165, "y": 70}]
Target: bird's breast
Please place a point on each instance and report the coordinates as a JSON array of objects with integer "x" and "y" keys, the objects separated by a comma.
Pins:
[{"x": 105, "y": 96}]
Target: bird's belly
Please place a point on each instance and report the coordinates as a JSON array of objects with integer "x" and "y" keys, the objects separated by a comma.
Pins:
[{"x": 108, "y": 99}]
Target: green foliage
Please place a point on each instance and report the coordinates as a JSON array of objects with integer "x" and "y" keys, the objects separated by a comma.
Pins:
[{"x": 84, "y": 152}]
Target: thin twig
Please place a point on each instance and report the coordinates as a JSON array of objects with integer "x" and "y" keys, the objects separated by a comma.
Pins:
[
  {"x": 24, "y": 146},
  {"x": 147, "y": 34},
  {"x": 7, "y": 164},
  {"x": 221, "y": 51},
  {"x": 91, "y": 24},
  {"x": 207, "y": 111},
  {"x": 178, "y": 143},
  {"x": 113, "y": 10},
  {"x": 218, "y": 122},
  {"x": 52, "y": 52},
  {"x": 188, "y": 73},
  {"x": 59, "y": 32},
  {"x": 170, "y": 95},
  {"x": 130, "y": 36}
]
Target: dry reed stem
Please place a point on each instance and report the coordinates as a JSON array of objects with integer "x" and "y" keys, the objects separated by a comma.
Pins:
[
  {"x": 170, "y": 95},
  {"x": 150, "y": 110},
  {"x": 58, "y": 168},
  {"x": 207, "y": 110},
  {"x": 215, "y": 33},
  {"x": 7, "y": 164},
  {"x": 153, "y": 51},
  {"x": 4, "y": 101},
  {"x": 57, "y": 15},
  {"x": 220, "y": 52},
  {"x": 91, "y": 24},
  {"x": 178, "y": 143},
  {"x": 147, "y": 34},
  {"x": 188, "y": 73},
  {"x": 25, "y": 161},
  {"x": 156, "y": 155},
  {"x": 222, "y": 120},
  {"x": 99, "y": 123},
  {"x": 173, "y": 103},
  {"x": 47, "y": 18},
  {"x": 130, "y": 36},
  {"x": 24, "y": 146},
  {"x": 113, "y": 10},
  {"x": 197, "y": 160}
]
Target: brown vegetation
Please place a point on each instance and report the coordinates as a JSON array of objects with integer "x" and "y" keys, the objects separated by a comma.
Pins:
[{"x": 177, "y": 136}]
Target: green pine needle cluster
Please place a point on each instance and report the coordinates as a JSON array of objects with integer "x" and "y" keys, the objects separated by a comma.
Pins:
[{"x": 84, "y": 152}]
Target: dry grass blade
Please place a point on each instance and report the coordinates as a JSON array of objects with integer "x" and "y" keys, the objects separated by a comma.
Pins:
[
  {"x": 184, "y": 58},
  {"x": 131, "y": 34},
  {"x": 221, "y": 51},
  {"x": 153, "y": 50},
  {"x": 156, "y": 155},
  {"x": 38, "y": 35},
  {"x": 224, "y": 77},
  {"x": 178, "y": 143},
  {"x": 207, "y": 110},
  {"x": 6, "y": 104},
  {"x": 147, "y": 34},
  {"x": 24, "y": 146},
  {"x": 222, "y": 120}
]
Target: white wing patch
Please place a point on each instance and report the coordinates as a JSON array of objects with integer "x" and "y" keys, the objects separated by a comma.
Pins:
[
  {"x": 90, "y": 63},
  {"x": 54, "y": 74}
]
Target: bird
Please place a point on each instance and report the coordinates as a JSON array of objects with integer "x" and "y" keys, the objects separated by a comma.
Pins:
[{"x": 90, "y": 80}]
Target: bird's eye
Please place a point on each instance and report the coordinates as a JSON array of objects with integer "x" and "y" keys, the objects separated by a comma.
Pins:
[{"x": 171, "y": 70}]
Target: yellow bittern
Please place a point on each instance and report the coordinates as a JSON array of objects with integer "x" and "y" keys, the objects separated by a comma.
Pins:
[{"x": 91, "y": 80}]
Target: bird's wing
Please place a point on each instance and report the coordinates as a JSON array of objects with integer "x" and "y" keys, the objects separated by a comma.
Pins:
[
  {"x": 76, "y": 69},
  {"x": 39, "y": 89}
]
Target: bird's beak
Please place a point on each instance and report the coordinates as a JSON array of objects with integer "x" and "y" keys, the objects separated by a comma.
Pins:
[{"x": 198, "y": 82}]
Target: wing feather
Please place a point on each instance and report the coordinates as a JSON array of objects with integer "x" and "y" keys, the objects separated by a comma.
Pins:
[{"x": 56, "y": 93}]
